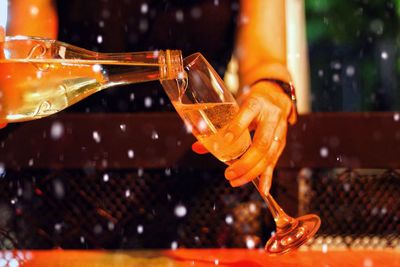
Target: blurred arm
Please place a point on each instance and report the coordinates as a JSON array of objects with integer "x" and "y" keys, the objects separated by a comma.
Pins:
[
  {"x": 2, "y": 36},
  {"x": 261, "y": 41}
]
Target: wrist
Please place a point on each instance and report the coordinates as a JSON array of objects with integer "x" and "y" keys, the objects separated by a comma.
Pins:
[{"x": 289, "y": 91}]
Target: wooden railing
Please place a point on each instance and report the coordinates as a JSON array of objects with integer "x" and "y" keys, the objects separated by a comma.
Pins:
[
  {"x": 78, "y": 149},
  {"x": 160, "y": 140}
]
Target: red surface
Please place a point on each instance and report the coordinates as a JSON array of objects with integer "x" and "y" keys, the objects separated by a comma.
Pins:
[{"x": 201, "y": 258}]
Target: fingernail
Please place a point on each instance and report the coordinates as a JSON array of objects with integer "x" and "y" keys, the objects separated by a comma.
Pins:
[
  {"x": 229, "y": 137},
  {"x": 230, "y": 174}
]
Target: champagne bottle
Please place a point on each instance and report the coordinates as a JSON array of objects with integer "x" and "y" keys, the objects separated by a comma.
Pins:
[{"x": 39, "y": 77}]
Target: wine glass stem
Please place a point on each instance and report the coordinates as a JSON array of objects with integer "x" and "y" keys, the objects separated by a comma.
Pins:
[{"x": 282, "y": 220}]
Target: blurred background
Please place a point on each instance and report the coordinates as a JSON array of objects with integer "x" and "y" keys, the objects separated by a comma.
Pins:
[
  {"x": 354, "y": 55},
  {"x": 74, "y": 181}
]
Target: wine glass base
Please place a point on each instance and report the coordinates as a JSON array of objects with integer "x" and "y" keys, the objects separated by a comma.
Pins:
[{"x": 295, "y": 235}]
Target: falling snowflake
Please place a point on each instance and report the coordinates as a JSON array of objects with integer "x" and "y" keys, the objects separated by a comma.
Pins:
[
  {"x": 180, "y": 211},
  {"x": 57, "y": 130},
  {"x": 148, "y": 102},
  {"x": 229, "y": 219},
  {"x": 131, "y": 154},
  {"x": 350, "y": 71},
  {"x": 99, "y": 39},
  {"x": 96, "y": 137},
  {"x": 324, "y": 152},
  {"x": 250, "y": 243},
  {"x": 396, "y": 117},
  {"x": 179, "y": 16},
  {"x": 324, "y": 248},
  {"x": 336, "y": 65},
  {"x": 154, "y": 135},
  {"x": 336, "y": 78},
  {"x": 144, "y": 8},
  {"x": 58, "y": 227},
  {"x": 174, "y": 245},
  {"x": 252, "y": 208},
  {"x": 58, "y": 188}
]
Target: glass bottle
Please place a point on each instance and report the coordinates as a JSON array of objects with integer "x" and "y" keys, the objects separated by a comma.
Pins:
[{"x": 39, "y": 77}]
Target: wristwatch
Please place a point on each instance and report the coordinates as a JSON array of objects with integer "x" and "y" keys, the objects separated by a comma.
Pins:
[{"x": 288, "y": 89}]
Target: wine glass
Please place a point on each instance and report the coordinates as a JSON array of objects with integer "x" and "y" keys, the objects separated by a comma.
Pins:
[{"x": 206, "y": 106}]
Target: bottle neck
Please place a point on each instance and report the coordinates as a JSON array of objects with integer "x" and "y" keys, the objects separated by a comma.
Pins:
[
  {"x": 171, "y": 64},
  {"x": 144, "y": 66}
]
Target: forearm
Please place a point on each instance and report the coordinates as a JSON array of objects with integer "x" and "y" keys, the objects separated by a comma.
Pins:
[{"x": 261, "y": 41}]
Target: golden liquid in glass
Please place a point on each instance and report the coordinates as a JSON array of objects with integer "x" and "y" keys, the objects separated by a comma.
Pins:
[{"x": 208, "y": 122}]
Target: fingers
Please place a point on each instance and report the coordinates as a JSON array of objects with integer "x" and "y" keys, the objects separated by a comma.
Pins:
[
  {"x": 244, "y": 119},
  {"x": 250, "y": 175},
  {"x": 199, "y": 148},
  {"x": 264, "y": 111},
  {"x": 264, "y": 152},
  {"x": 263, "y": 137}
]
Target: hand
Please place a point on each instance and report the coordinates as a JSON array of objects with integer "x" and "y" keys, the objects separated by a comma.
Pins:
[
  {"x": 265, "y": 109},
  {"x": 2, "y": 37}
]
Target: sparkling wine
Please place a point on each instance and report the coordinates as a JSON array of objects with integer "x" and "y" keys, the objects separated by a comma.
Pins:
[{"x": 208, "y": 122}]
